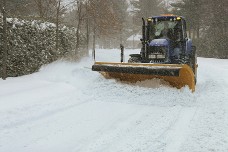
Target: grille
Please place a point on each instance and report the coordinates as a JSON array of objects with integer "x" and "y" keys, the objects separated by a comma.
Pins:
[{"x": 157, "y": 53}]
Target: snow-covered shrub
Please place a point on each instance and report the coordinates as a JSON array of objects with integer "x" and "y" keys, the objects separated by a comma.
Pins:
[{"x": 32, "y": 44}]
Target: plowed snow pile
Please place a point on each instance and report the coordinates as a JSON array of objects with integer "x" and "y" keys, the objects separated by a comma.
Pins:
[{"x": 66, "y": 107}]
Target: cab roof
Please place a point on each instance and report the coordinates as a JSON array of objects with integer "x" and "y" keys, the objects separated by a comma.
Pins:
[{"x": 166, "y": 17}]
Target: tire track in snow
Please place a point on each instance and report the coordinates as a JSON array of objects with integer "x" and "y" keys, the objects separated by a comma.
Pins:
[
  {"x": 209, "y": 132},
  {"x": 179, "y": 131},
  {"x": 44, "y": 114},
  {"x": 209, "y": 126},
  {"x": 25, "y": 88},
  {"x": 105, "y": 136},
  {"x": 45, "y": 106}
]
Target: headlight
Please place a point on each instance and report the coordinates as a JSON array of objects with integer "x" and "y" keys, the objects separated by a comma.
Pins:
[
  {"x": 152, "y": 56},
  {"x": 157, "y": 56},
  {"x": 157, "y": 52},
  {"x": 160, "y": 56}
]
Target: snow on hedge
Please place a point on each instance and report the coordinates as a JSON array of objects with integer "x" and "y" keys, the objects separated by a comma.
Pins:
[{"x": 32, "y": 44}]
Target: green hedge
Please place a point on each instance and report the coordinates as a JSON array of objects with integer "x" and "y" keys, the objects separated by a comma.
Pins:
[{"x": 32, "y": 44}]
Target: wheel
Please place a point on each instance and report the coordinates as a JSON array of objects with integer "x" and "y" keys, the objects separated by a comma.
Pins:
[{"x": 134, "y": 60}]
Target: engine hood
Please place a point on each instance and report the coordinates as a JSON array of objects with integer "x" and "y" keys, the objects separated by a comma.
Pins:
[{"x": 159, "y": 42}]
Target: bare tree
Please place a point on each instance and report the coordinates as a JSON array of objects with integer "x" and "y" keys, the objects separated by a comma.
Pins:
[
  {"x": 87, "y": 28},
  {"x": 57, "y": 23},
  {"x": 44, "y": 8},
  {"x": 60, "y": 9},
  {"x": 18, "y": 8},
  {"x": 146, "y": 8},
  {"x": 80, "y": 16},
  {"x": 207, "y": 24},
  {"x": 104, "y": 19}
]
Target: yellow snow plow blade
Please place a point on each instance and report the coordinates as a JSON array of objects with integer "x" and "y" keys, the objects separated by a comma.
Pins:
[{"x": 178, "y": 75}]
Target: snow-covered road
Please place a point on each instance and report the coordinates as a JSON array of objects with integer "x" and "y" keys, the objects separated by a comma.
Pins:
[{"x": 66, "y": 107}]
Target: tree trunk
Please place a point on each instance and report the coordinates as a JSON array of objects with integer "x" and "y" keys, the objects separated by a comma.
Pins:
[
  {"x": 87, "y": 29},
  {"x": 4, "y": 63},
  {"x": 194, "y": 34},
  {"x": 78, "y": 26},
  {"x": 94, "y": 41},
  {"x": 198, "y": 31},
  {"x": 57, "y": 25},
  {"x": 87, "y": 36},
  {"x": 225, "y": 27},
  {"x": 40, "y": 8}
]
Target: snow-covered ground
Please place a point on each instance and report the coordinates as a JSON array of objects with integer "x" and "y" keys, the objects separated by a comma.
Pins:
[{"x": 66, "y": 107}]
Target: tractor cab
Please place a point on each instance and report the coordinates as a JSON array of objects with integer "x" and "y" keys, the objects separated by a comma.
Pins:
[
  {"x": 168, "y": 27},
  {"x": 165, "y": 39}
]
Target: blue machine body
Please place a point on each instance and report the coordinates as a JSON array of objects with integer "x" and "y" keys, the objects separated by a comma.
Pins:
[
  {"x": 183, "y": 47},
  {"x": 170, "y": 50}
]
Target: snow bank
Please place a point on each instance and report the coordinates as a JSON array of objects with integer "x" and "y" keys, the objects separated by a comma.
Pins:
[{"x": 67, "y": 107}]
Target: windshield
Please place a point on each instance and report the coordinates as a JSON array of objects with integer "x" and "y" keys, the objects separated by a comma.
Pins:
[{"x": 165, "y": 29}]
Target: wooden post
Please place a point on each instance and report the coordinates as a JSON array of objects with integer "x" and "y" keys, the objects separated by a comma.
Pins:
[
  {"x": 4, "y": 62},
  {"x": 122, "y": 53}
]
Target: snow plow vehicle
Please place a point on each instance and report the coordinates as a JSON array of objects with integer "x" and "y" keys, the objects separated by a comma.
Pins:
[{"x": 167, "y": 53}]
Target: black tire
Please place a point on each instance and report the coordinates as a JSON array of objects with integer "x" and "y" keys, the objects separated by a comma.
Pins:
[{"x": 134, "y": 60}]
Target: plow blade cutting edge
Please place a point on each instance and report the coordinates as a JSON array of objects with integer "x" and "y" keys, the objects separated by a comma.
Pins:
[{"x": 178, "y": 75}]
